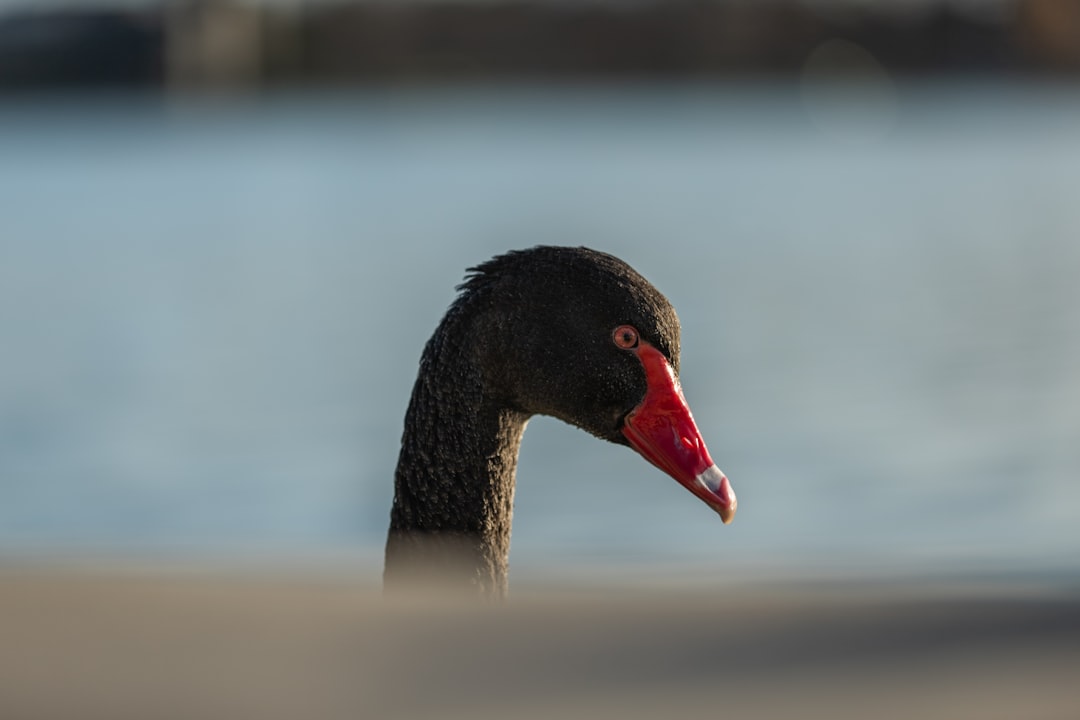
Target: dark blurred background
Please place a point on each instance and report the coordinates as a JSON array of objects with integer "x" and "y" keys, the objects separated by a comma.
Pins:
[{"x": 228, "y": 43}]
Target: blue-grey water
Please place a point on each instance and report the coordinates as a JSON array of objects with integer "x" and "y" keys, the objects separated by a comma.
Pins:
[{"x": 211, "y": 312}]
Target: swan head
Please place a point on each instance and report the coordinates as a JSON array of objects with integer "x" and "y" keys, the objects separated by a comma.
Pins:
[{"x": 581, "y": 336}]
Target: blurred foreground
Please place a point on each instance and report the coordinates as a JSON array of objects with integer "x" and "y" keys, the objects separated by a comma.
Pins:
[{"x": 83, "y": 645}]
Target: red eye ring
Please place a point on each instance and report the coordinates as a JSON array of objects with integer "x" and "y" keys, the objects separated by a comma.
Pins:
[{"x": 625, "y": 336}]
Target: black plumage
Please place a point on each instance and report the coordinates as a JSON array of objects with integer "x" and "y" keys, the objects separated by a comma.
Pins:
[{"x": 530, "y": 333}]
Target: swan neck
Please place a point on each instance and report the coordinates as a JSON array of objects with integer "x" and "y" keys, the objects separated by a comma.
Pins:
[{"x": 454, "y": 483}]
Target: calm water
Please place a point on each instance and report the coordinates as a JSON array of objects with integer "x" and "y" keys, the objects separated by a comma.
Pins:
[{"x": 210, "y": 315}]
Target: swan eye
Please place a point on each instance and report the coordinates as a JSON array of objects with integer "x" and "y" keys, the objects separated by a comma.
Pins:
[{"x": 625, "y": 337}]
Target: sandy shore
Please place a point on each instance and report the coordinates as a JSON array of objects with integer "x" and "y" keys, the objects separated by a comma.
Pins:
[{"x": 87, "y": 645}]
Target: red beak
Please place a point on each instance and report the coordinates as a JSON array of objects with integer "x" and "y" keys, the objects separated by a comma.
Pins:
[{"x": 662, "y": 429}]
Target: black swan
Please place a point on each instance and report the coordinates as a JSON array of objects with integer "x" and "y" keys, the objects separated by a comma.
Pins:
[{"x": 568, "y": 332}]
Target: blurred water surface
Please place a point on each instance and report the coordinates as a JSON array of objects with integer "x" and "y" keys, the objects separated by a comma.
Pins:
[{"x": 211, "y": 312}]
